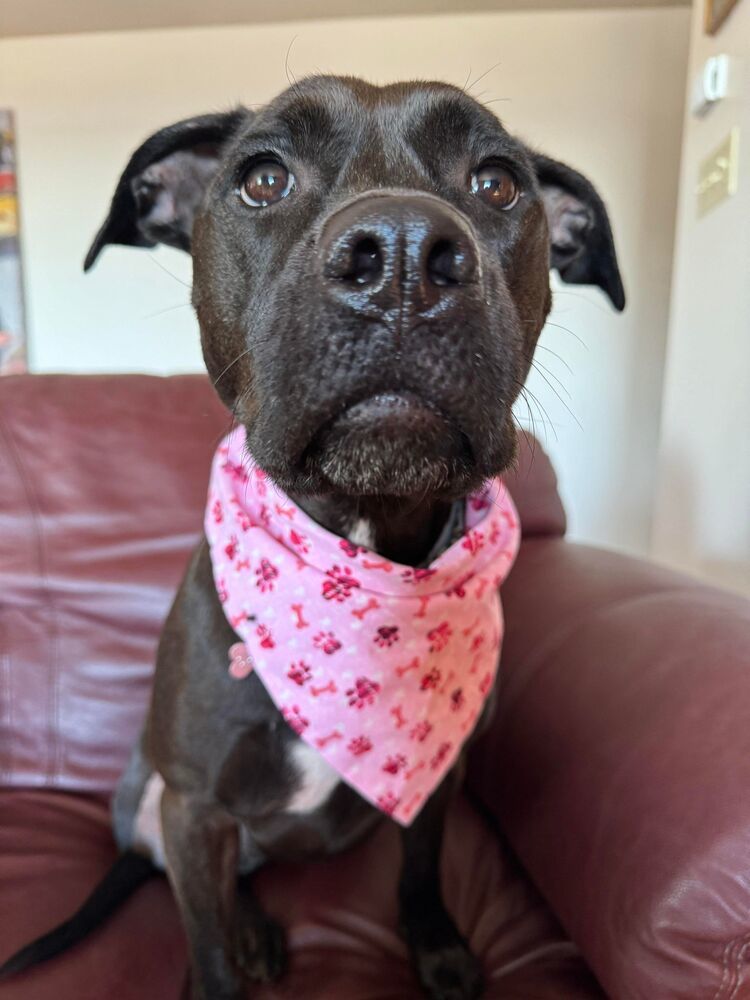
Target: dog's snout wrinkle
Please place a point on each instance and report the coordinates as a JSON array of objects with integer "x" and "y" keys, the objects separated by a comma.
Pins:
[{"x": 397, "y": 256}]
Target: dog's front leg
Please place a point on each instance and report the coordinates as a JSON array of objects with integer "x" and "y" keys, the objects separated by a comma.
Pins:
[
  {"x": 230, "y": 938},
  {"x": 444, "y": 964},
  {"x": 201, "y": 846}
]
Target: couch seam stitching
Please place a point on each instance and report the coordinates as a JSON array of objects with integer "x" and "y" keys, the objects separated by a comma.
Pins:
[
  {"x": 724, "y": 969},
  {"x": 53, "y": 760},
  {"x": 7, "y": 770},
  {"x": 737, "y": 967},
  {"x": 732, "y": 977}
]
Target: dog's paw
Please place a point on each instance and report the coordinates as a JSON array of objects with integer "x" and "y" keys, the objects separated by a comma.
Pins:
[
  {"x": 260, "y": 949},
  {"x": 449, "y": 973}
]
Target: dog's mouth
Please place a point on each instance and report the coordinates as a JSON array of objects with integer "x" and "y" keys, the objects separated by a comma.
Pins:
[{"x": 389, "y": 444}]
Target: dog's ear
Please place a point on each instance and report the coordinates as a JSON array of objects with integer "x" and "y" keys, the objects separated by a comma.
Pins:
[
  {"x": 582, "y": 249},
  {"x": 162, "y": 186}
]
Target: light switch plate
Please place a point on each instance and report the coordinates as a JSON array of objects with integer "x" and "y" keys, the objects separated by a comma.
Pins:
[{"x": 719, "y": 174}]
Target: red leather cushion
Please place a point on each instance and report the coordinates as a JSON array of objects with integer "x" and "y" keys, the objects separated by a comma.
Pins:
[{"x": 340, "y": 915}]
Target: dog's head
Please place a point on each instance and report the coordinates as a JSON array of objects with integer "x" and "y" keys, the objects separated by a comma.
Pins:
[{"x": 370, "y": 273}]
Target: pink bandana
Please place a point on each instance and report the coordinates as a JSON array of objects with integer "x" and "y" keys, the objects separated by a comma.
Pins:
[{"x": 382, "y": 668}]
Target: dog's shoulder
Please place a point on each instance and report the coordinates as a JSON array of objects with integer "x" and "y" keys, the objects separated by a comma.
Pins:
[{"x": 201, "y": 717}]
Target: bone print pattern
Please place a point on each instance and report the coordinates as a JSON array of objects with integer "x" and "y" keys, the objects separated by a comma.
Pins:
[{"x": 383, "y": 669}]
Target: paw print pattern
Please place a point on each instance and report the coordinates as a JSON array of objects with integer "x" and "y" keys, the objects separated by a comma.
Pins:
[
  {"x": 386, "y": 636},
  {"x": 296, "y": 719},
  {"x": 339, "y": 585},
  {"x": 327, "y": 643},
  {"x": 394, "y": 763},
  {"x": 439, "y": 637},
  {"x": 421, "y": 731},
  {"x": 349, "y": 548},
  {"x": 266, "y": 575},
  {"x": 388, "y": 803},
  {"x": 363, "y": 693},
  {"x": 359, "y": 745},
  {"x": 299, "y": 673},
  {"x": 430, "y": 680}
]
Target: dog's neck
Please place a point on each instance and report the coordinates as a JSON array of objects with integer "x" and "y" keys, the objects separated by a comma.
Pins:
[{"x": 404, "y": 530}]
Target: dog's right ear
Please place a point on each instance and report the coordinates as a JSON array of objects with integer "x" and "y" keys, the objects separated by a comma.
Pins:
[
  {"x": 582, "y": 249},
  {"x": 162, "y": 186}
]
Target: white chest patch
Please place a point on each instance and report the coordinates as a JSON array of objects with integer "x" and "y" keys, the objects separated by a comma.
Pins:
[
  {"x": 317, "y": 779},
  {"x": 147, "y": 835},
  {"x": 361, "y": 533}
]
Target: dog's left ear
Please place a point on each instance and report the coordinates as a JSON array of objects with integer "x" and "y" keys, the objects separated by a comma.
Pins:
[
  {"x": 582, "y": 249},
  {"x": 163, "y": 184}
]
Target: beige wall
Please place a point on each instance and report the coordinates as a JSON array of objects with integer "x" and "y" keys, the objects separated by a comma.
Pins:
[
  {"x": 602, "y": 89},
  {"x": 49, "y": 17},
  {"x": 702, "y": 514}
]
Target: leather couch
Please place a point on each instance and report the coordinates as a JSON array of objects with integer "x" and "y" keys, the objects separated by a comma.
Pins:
[{"x": 602, "y": 847}]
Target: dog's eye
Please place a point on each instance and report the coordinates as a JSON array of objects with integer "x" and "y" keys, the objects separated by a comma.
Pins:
[
  {"x": 265, "y": 183},
  {"x": 496, "y": 185}
]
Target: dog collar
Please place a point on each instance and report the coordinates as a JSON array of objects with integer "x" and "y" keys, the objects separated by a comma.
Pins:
[{"x": 383, "y": 669}]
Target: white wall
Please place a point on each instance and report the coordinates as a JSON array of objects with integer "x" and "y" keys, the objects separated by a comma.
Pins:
[
  {"x": 702, "y": 515},
  {"x": 602, "y": 89}
]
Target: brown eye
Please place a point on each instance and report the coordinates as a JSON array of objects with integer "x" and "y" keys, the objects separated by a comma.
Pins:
[
  {"x": 265, "y": 183},
  {"x": 496, "y": 185}
]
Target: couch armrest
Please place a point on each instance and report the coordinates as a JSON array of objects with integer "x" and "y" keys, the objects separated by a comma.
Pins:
[{"x": 618, "y": 766}]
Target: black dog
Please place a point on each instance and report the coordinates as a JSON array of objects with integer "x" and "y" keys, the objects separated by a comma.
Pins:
[{"x": 371, "y": 274}]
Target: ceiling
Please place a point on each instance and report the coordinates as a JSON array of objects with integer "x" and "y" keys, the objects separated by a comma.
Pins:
[{"x": 55, "y": 17}]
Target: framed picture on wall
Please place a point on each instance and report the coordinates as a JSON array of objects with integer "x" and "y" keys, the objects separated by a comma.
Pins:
[
  {"x": 12, "y": 326},
  {"x": 716, "y": 13}
]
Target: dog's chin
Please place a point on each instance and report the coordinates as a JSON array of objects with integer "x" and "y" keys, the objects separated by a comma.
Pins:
[{"x": 391, "y": 445}]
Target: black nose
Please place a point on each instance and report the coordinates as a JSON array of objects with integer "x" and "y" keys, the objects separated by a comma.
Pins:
[{"x": 387, "y": 252}]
